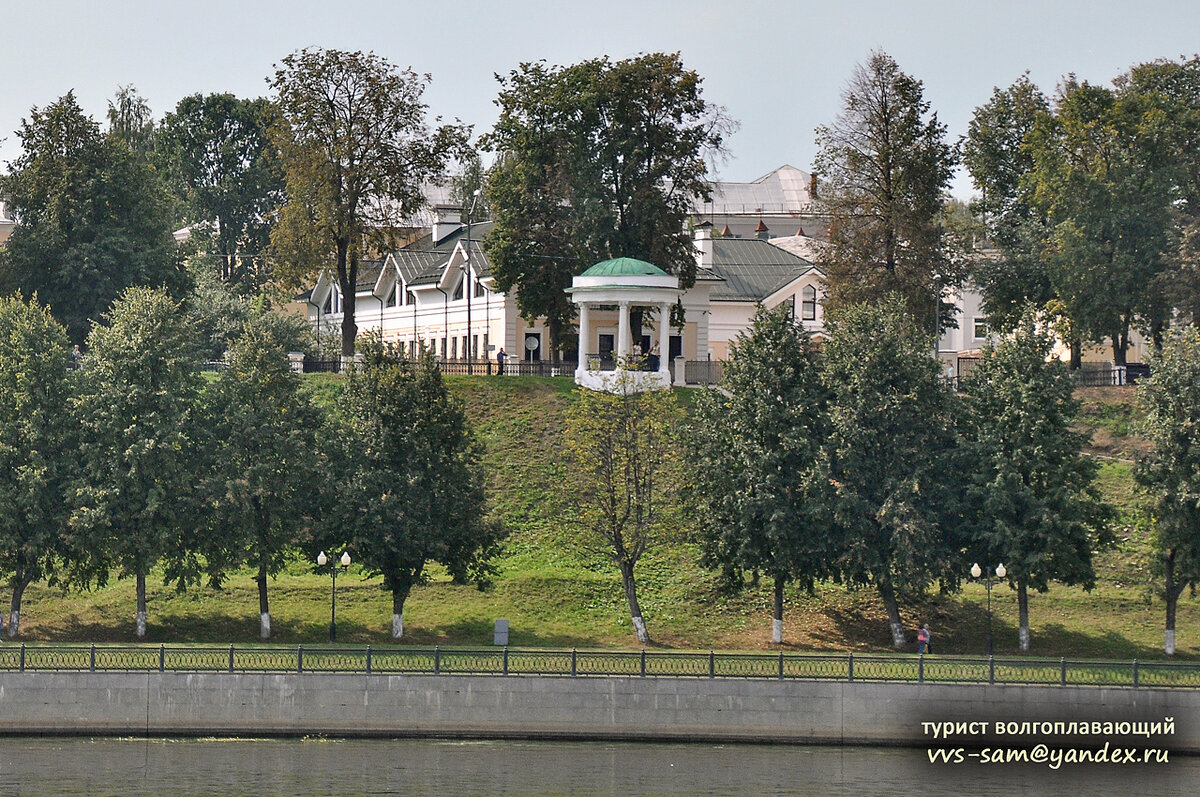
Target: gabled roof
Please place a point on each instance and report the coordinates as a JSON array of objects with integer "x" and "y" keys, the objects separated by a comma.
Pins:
[
  {"x": 753, "y": 269},
  {"x": 423, "y": 261}
]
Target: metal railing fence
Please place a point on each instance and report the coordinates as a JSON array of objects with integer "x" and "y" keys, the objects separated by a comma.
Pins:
[{"x": 589, "y": 663}]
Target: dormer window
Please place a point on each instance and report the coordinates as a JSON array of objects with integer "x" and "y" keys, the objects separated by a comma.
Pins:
[
  {"x": 458, "y": 290},
  {"x": 479, "y": 289},
  {"x": 808, "y": 303}
]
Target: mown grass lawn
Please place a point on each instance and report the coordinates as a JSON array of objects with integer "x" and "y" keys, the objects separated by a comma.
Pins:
[{"x": 557, "y": 593}]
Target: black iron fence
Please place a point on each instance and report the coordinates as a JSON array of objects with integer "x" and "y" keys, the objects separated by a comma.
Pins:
[{"x": 589, "y": 663}]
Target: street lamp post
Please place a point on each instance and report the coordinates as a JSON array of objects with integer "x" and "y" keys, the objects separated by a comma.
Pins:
[
  {"x": 470, "y": 353},
  {"x": 976, "y": 572},
  {"x": 334, "y": 567}
]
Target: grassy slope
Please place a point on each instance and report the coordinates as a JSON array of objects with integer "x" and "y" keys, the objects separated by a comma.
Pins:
[{"x": 556, "y": 593}]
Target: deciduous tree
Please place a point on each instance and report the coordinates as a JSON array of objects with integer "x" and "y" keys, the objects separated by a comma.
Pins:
[
  {"x": 268, "y": 470},
  {"x": 215, "y": 153},
  {"x": 761, "y": 479},
  {"x": 1170, "y": 406},
  {"x": 134, "y": 500},
  {"x": 884, "y": 165},
  {"x": 93, "y": 219},
  {"x": 1031, "y": 490},
  {"x": 413, "y": 489},
  {"x": 597, "y": 160},
  {"x": 623, "y": 462},
  {"x": 35, "y": 444},
  {"x": 891, "y": 448},
  {"x": 356, "y": 152}
]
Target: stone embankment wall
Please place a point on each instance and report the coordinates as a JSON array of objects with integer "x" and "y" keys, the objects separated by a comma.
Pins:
[{"x": 221, "y": 704}]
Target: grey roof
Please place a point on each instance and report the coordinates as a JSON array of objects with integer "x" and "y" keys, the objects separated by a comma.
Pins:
[
  {"x": 782, "y": 191},
  {"x": 422, "y": 261},
  {"x": 752, "y": 269}
]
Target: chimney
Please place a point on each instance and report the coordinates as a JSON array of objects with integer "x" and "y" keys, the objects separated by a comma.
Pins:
[
  {"x": 446, "y": 219},
  {"x": 704, "y": 245},
  {"x": 762, "y": 231}
]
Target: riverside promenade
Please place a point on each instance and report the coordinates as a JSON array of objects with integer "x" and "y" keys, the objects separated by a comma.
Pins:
[{"x": 87, "y": 694}]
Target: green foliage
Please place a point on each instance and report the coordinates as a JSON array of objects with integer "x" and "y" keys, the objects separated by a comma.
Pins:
[
  {"x": 997, "y": 154},
  {"x": 412, "y": 484},
  {"x": 131, "y": 122},
  {"x": 1103, "y": 180},
  {"x": 1031, "y": 491},
  {"x": 266, "y": 485},
  {"x": 892, "y": 451},
  {"x": 134, "y": 501},
  {"x": 35, "y": 433},
  {"x": 624, "y": 471},
  {"x": 885, "y": 163},
  {"x": 1170, "y": 403},
  {"x": 597, "y": 160},
  {"x": 94, "y": 219},
  {"x": 761, "y": 480},
  {"x": 356, "y": 153},
  {"x": 216, "y": 155}
]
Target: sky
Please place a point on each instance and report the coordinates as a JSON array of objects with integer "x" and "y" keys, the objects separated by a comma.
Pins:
[{"x": 778, "y": 68}]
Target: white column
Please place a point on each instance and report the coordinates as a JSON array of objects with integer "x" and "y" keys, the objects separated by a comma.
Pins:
[
  {"x": 664, "y": 340},
  {"x": 623, "y": 331},
  {"x": 585, "y": 338}
]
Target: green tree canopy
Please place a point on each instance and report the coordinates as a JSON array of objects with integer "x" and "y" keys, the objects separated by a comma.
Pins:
[
  {"x": 997, "y": 154},
  {"x": 266, "y": 484},
  {"x": 92, "y": 219},
  {"x": 892, "y": 448},
  {"x": 356, "y": 153},
  {"x": 1170, "y": 406},
  {"x": 761, "y": 480},
  {"x": 597, "y": 160},
  {"x": 884, "y": 164},
  {"x": 1035, "y": 506},
  {"x": 216, "y": 155},
  {"x": 413, "y": 485},
  {"x": 134, "y": 501},
  {"x": 35, "y": 444}
]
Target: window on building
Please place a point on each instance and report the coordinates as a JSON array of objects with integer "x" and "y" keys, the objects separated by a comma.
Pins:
[
  {"x": 808, "y": 303},
  {"x": 409, "y": 298},
  {"x": 453, "y": 348},
  {"x": 474, "y": 347},
  {"x": 458, "y": 290},
  {"x": 443, "y": 348},
  {"x": 981, "y": 328},
  {"x": 479, "y": 289}
]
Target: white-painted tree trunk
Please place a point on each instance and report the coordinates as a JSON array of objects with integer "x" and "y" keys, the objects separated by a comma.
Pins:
[
  {"x": 777, "y": 632},
  {"x": 264, "y": 625},
  {"x": 141, "y": 625},
  {"x": 1169, "y": 643},
  {"x": 639, "y": 627},
  {"x": 397, "y": 626},
  {"x": 897, "y": 634},
  {"x": 1024, "y": 637},
  {"x": 14, "y": 624}
]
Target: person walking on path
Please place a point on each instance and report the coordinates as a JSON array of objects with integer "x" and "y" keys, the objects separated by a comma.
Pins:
[
  {"x": 923, "y": 638},
  {"x": 500, "y": 359}
]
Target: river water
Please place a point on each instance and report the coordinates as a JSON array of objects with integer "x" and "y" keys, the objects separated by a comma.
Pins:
[{"x": 181, "y": 767}]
